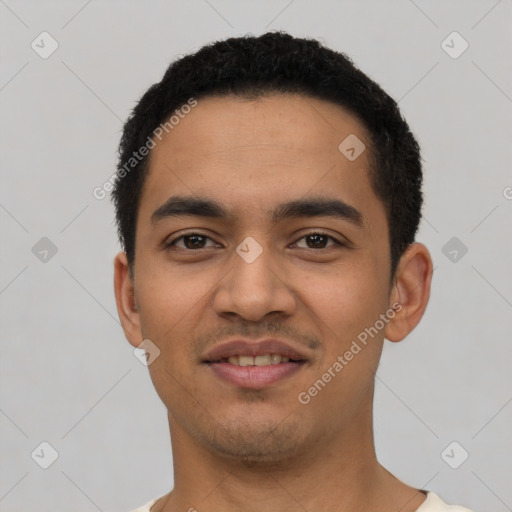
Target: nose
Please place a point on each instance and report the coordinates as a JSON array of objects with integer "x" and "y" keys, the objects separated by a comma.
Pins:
[{"x": 254, "y": 289}]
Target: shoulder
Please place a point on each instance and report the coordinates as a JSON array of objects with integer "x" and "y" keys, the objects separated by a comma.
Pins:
[
  {"x": 434, "y": 503},
  {"x": 146, "y": 507}
]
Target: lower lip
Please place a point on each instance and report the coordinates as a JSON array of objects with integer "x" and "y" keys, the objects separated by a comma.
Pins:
[{"x": 254, "y": 377}]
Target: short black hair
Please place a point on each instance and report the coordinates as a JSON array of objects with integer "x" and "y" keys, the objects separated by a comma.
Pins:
[{"x": 276, "y": 62}]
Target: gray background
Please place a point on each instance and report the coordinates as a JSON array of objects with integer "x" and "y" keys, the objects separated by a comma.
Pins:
[{"x": 68, "y": 376}]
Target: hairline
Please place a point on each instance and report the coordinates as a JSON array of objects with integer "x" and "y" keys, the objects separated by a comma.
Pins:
[{"x": 257, "y": 93}]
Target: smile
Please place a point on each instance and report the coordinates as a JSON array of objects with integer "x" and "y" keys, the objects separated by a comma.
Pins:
[
  {"x": 262, "y": 360},
  {"x": 255, "y": 372},
  {"x": 254, "y": 364}
]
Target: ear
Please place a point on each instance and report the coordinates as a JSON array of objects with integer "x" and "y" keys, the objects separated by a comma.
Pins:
[
  {"x": 125, "y": 300},
  {"x": 410, "y": 290}
]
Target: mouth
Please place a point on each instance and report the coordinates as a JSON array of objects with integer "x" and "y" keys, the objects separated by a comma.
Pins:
[
  {"x": 253, "y": 365},
  {"x": 261, "y": 360}
]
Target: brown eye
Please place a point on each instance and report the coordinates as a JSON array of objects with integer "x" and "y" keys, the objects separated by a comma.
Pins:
[
  {"x": 318, "y": 241},
  {"x": 191, "y": 241},
  {"x": 194, "y": 241}
]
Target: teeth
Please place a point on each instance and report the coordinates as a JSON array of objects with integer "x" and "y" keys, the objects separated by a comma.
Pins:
[
  {"x": 263, "y": 360},
  {"x": 246, "y": 361}
]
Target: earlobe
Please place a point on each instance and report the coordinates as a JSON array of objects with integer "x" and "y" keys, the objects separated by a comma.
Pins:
[
  {"x": 125, "y": 300},
  {"x": 411, "y": 289}
]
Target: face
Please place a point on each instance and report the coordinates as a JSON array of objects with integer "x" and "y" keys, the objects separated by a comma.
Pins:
[{"x": 288, "y": 242}]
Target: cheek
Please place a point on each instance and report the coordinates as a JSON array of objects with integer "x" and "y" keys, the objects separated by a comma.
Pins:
[
  {"x": 171, "y": 307},
  {"x": 174, "y": 308},
  {"x": 168, "y": 299},
  {"x": 343, "y": 308},
  {"x": 347, "y": 299}
]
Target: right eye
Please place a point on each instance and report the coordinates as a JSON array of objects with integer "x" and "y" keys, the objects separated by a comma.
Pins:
[{"x": 189, "y": 241}]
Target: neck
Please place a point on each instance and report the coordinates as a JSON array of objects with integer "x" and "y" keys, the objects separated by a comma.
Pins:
[{"x": 338, "y": 473}]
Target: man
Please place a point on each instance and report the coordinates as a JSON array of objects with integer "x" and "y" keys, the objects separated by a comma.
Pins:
[{"x": 267, "y": 198}]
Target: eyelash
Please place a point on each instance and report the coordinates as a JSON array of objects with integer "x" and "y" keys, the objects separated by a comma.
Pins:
[{"x": 173, "y": 242}]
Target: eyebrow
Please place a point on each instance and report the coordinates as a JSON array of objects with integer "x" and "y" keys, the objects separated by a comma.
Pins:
[{"x": 178, "y": 206}]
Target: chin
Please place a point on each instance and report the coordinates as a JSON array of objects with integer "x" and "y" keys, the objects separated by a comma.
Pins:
[
  {"x": 253, "y": 456},
  {"x": 258, "y": 442}
]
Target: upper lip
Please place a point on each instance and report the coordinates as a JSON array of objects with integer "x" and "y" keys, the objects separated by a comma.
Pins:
[{"x": 244, "y": 347}]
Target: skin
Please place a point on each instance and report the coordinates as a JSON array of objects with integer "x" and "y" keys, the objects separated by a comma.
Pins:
[{"x": 262, "y": 450}]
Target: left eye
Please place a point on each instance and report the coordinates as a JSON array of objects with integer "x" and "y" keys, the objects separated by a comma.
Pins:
[
  {"x": 194, "y": 241},
  {"x": 317, "y": 241}
]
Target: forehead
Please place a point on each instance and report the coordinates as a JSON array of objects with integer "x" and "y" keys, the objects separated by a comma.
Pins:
[
  {"x": 252, "y": 154},
  {"x": 228, "y": 127}
]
